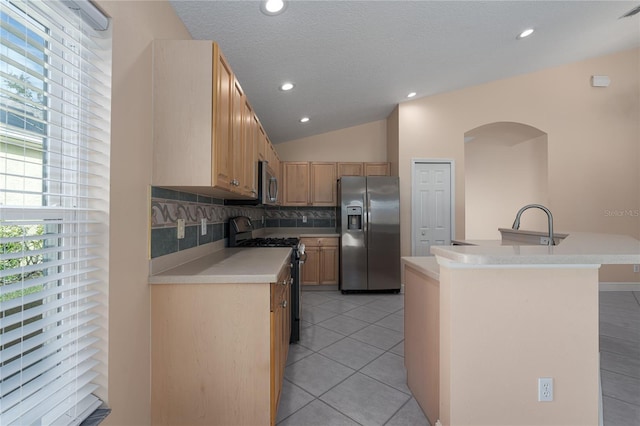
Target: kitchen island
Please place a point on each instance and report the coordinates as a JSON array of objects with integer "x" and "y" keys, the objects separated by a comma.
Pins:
[
  {"x": 219, "y": 336},
  {"x": 483, "y": 323}
]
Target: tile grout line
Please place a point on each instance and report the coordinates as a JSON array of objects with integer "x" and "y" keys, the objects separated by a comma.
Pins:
[
  {"x": 619, "y": 374},
  {"x": 398, "y": 410},
  {"x": 621, "y": 400},
  {"x": 355, "y": 371}
]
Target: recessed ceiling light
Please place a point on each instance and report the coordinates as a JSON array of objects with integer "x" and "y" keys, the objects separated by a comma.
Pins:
[
  {"x": 272, "y": 7},
  {"x": 287, "y": 86},
  {"x": 411, "y": 95},
  {"x": 525, "y": 33},
  {"x": 304, "y": 119}
]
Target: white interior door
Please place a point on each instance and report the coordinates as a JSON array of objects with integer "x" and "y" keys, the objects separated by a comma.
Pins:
[{"x": 432, "y": 222}]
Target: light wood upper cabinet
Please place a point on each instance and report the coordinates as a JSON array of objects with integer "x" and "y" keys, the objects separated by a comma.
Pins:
[
  {"x": 248, "y": 181},
  {"x": 222, "y": 100},
  {"x": 309, "y": 184},
  {"x": 376, "y": 169},
  {"x": 205, "y": 131},
  {"x": 295, "y": 183},
  {"x": 350, "y": 169},
  {"x": 323, "y": 184},
  {"x": 262, "y": 142}
]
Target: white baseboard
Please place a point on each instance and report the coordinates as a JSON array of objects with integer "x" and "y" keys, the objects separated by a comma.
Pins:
[{"x": 626, "y": 286}]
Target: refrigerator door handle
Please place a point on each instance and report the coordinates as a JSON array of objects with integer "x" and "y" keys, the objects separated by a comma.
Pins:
[{"x": 367, "y": 239}]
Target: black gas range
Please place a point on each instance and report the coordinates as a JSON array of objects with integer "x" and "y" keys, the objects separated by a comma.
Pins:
[
  {"x": 270, "y": 242},
  {"x": 241, "y": 235}
]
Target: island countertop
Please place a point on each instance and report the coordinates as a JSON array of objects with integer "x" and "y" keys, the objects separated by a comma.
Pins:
[
  {"x": 577, "y": 248},
  {"x": 230, "y": 265}
]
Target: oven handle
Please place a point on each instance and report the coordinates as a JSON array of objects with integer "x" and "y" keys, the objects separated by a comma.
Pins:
[{"x": 302, "y": 256}]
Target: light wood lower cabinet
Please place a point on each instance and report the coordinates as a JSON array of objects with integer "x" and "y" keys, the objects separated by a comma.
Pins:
[
  {"x": 218, "y": 352},
  {"x": 321, "y": 266},
  {"x": 280, "y": 320}
]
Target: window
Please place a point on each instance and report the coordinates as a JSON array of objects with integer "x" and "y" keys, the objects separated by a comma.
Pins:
[{"x": 54, "y": 198}]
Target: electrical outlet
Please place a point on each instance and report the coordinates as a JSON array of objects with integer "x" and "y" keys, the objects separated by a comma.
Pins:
[
  {"x": 180, "y": 229},
  {"x": 636, "y": 268},
  {"x": 545, "y": 389},
  {"x": 304, "y": 219},
  {"x": 203, "y": 226}
]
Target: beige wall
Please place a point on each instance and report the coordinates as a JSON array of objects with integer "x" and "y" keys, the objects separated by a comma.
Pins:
[
  {"x": 593, "y": 134},
  {"x": 367, "y": 142},
  {"x": 135, "y": 24},
  {"x": 505, "y": 174}
]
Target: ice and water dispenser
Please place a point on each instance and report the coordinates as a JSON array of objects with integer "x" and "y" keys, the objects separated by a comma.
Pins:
[{"x": 354, "y": 218}]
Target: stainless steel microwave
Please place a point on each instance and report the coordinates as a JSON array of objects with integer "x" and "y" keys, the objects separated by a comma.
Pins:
[
  {"x": 267, "y": 184},
  {"x": 267, "y": 188}
]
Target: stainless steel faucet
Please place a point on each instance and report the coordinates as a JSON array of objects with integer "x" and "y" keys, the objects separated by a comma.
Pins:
[{"x": 516, "y": 223}]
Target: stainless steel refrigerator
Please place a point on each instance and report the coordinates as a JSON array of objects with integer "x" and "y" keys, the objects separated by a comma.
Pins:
[{"x": 368, "y": 220}]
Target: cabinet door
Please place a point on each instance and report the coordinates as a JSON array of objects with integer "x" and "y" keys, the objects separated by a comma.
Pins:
[
  {"x": 310, "y": 268},
  {"x": 323, "y": 184},
  {"x": 328, "y": 265},
  {"x": 296, "y": 183},
  {"x": 223, "y": 112},
  {"x": 376, "y": 169},
  {"x": 328, "y": 260},
  {"x": 262, "y": 142},
  {"x": 350, "y": 169},
  {"x": 276, "y": 367},
  {"x": 237, "y": 104},
  {"x": 286, "y": 325},
  {"x": 248, "y": 157}
]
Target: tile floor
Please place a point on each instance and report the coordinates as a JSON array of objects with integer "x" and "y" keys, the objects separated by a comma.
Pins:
[
  {"x": 349, "y": 366},
  {"x": 620, "y": 357}
]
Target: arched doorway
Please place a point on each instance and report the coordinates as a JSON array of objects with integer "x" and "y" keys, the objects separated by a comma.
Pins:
[{"x": 505, "y": 169}]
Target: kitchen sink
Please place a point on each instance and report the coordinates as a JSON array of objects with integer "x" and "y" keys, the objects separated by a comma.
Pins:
[{"x": 529, "y": 238}]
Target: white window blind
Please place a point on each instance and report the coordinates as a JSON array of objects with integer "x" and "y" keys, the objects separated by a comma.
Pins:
[{"x": 54, "y": 197}]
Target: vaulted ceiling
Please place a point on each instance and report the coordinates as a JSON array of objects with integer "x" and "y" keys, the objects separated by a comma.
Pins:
[{"x": 352, "y": 62}]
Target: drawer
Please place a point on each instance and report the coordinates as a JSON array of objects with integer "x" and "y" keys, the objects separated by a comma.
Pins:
[{"x": 320, "y": 241}]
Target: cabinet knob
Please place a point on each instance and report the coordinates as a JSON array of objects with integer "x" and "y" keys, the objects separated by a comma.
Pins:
[
  {"x": 284, "y": 282},
  {"x": 284, "y": 303}
]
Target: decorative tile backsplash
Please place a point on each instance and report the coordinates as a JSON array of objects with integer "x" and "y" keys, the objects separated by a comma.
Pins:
[
  {"x": 294, "y": 217},
  {"x": 167, "y": 206}
]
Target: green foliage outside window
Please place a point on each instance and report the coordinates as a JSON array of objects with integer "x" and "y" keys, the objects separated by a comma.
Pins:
[{"x": 20, "y": 243}]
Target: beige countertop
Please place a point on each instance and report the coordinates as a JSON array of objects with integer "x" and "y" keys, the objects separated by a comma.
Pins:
[
  {"x": 428, "y": 265},
  {"x": 229, "y": 265},
  {"x": 300, "y": 232},
  {"x": 577, "y": 248}
]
